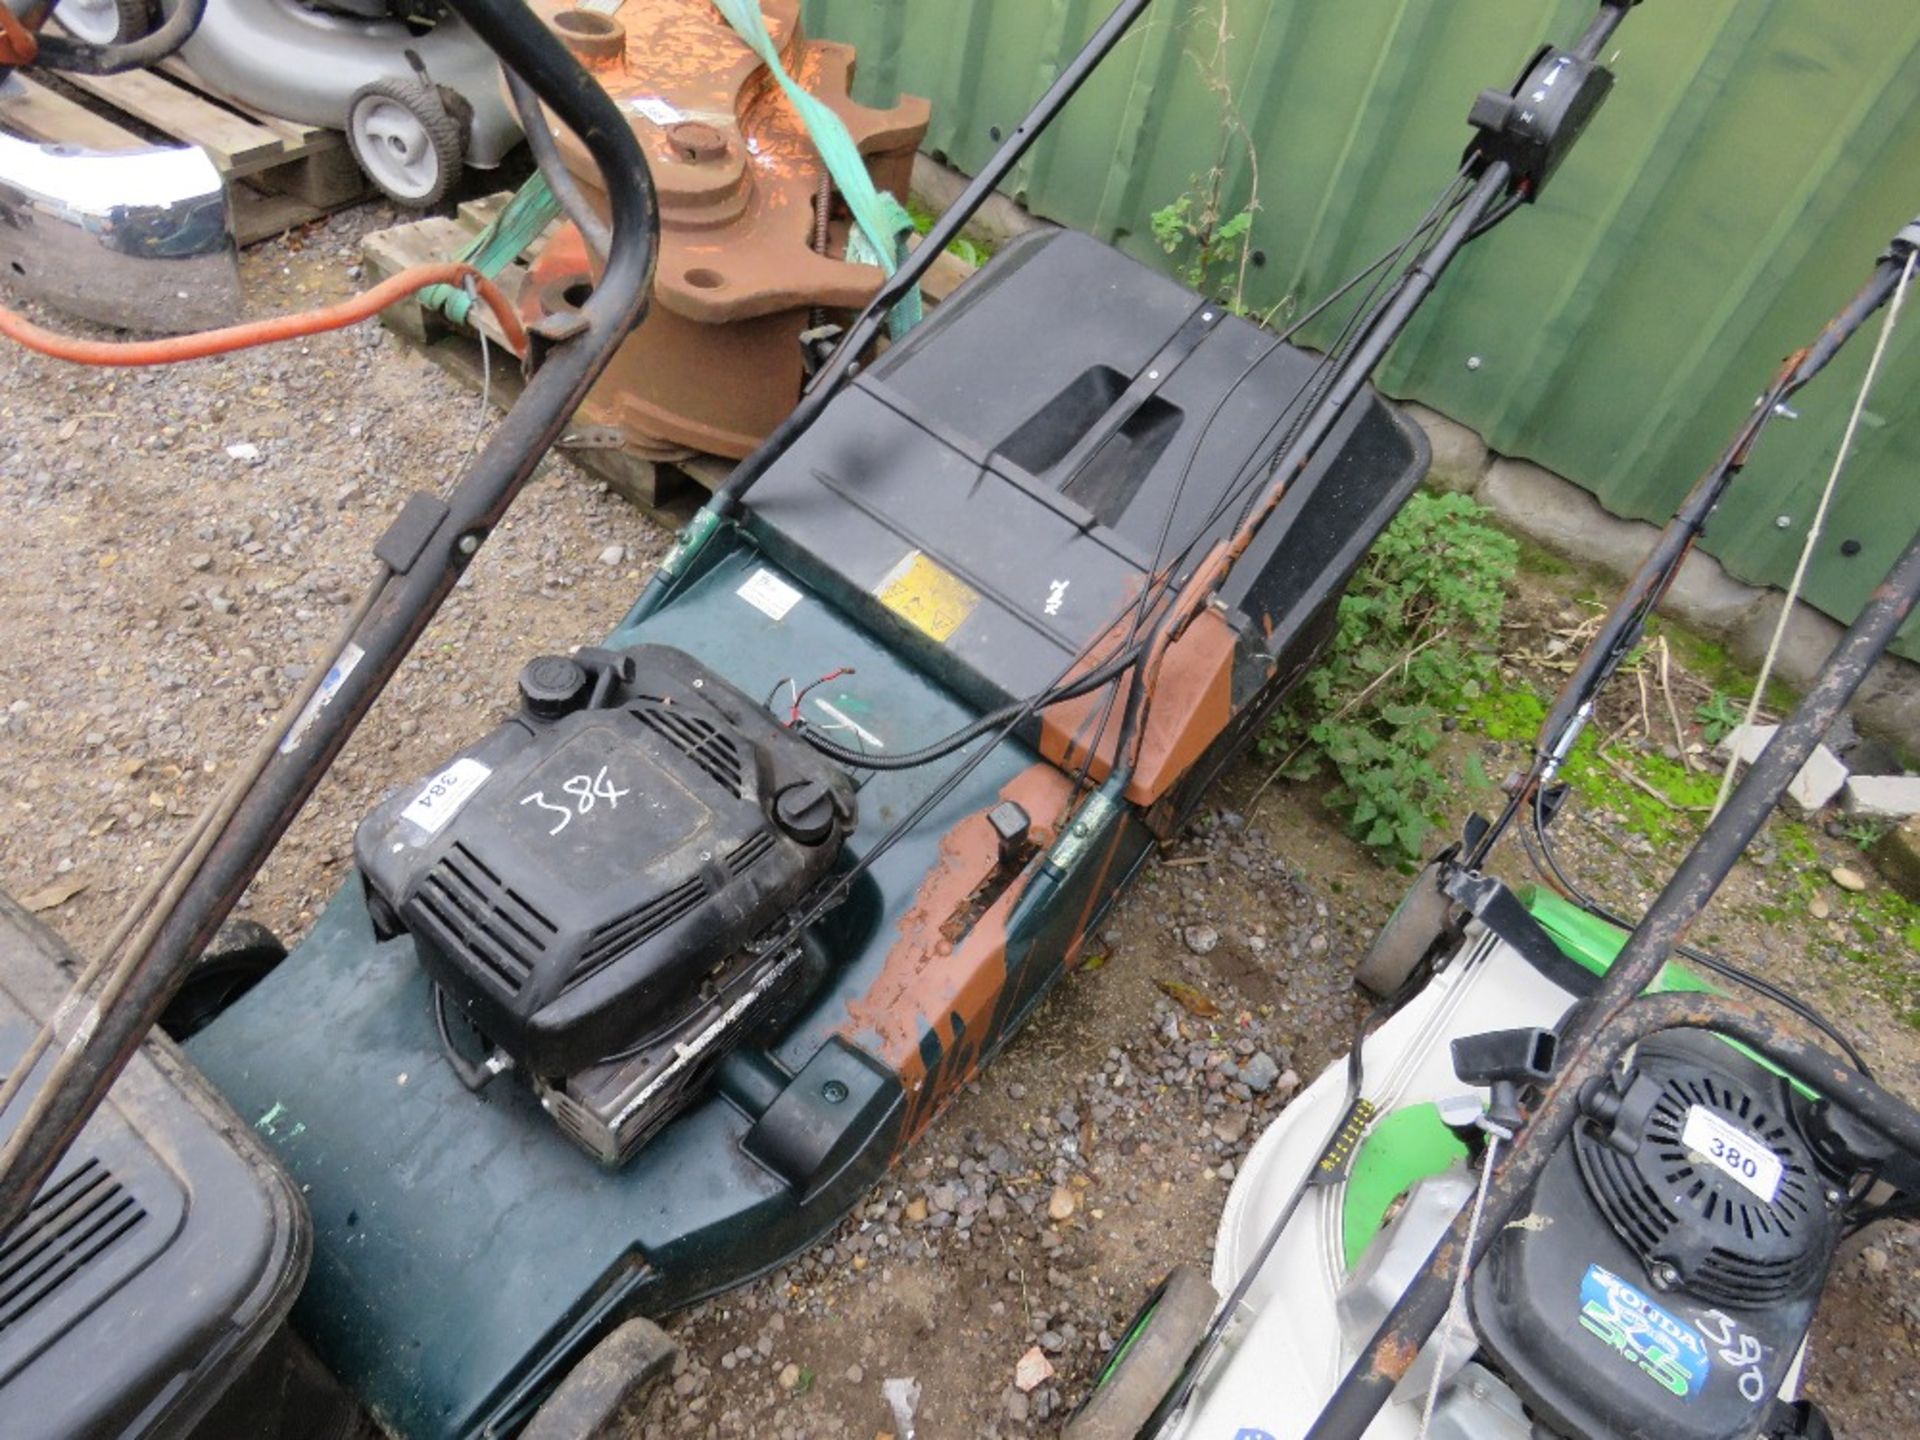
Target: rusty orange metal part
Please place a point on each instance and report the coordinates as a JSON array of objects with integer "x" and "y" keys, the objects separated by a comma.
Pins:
[
  {"x": 718, "y": 362},
  {"x": 946, "y": 974},
  {"x": 18, "y": 45}
]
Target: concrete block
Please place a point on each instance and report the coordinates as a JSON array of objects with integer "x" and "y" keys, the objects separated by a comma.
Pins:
[
  {"x": 1809, "y": 639},
  {"x": 1882, "y": 797},
  {"x": 1705, "y": 597},
  {"x": 1888, "y": 703},
  {"x": 1897, "y": 857},
  {"x": 1819, "y": 779},
  {"x": 999, "y": 220},
  {"x": 1460, "y": 456},
  {"x": 1561, "y": 517}
]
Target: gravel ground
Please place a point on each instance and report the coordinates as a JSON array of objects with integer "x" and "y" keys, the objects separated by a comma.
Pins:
[{"x": 165, "y": 588}]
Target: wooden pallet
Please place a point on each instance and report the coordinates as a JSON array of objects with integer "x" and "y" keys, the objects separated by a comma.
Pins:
[
  {"x": 279, "y": 173},
  {"x": 667, "y": 487}
]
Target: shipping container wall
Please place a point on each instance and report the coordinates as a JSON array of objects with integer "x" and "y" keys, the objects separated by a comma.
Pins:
[{"x": 1754, "y": 158}]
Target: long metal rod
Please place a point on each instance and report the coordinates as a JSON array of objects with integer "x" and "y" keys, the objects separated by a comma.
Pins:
[
  {"x": 404, "y": 608},
  {"x": 1615, "y": 1013},
  {"x": 866, "y": 328},
  {"x": 1624, "y": 624}
]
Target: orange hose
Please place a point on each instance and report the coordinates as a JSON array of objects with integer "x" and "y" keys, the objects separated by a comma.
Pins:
[{"x": 261, "y": 332}]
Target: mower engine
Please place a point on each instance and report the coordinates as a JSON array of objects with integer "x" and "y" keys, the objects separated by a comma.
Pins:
[
  {"x": 600, "y": 888},
  {"x": 1667, "y": 1275}
]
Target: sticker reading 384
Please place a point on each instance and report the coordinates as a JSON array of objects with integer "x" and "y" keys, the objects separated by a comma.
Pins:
[
  {"x": 1666, "y": 1348},
  {"x": 1728, "y": 1148},
  {"x": 441, "y": 797}
]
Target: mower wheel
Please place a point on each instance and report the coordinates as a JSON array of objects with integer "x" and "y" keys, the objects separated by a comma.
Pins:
[
  {"x": 105, "y": 22},
  {"x": 615, "y": 1371},
  {"x": 1149, "y": 1358},
  {"x": 242, "y": 953},
  {"x": 1418, "y": 921},
  {"x": 409, "y": 137}
]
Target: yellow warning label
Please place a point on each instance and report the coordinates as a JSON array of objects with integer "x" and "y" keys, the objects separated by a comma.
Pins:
[{"x": 933, "y": 601}]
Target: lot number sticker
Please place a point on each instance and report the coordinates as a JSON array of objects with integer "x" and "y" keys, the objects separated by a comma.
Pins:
[
  {"x": 441, "y": 798},
  {"x": 1745, "y": 1157}
]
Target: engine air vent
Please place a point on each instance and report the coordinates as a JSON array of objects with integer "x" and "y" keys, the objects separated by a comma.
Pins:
[
  {"x": 646, "y": 920},
  {"x": 1733, "y": 1245},
  {"x": 699, "y": 740},
  {"x": 72, "y": 1223},
  {"x": 481, "y": 915}
]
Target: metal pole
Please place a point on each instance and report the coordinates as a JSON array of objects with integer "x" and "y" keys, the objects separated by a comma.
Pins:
[
  {"x": 1617, "y": 1009},
  {"x": 1622, "y": 628},
  {"x": 423, "y": 579}
]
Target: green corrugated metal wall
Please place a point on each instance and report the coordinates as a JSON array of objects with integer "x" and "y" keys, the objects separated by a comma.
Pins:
[{"x": 1754, "y": 157}]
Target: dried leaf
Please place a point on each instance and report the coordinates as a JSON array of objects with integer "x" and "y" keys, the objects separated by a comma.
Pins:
[
  {"x": 1194, "y": 1002},
  {"x": 54, "y": 896}
]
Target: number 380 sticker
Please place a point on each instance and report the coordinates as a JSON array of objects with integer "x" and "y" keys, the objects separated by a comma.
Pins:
[{"x": 1747, "y": 1158}]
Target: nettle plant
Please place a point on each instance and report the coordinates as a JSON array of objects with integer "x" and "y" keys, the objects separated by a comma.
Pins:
[{"x": 1413, "y": 644}]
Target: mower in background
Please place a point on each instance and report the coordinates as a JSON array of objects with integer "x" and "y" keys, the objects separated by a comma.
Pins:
[{"x": 1650, "y": 1191}]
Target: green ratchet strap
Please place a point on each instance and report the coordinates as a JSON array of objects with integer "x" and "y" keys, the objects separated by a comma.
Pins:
[
  {"x": 883, "y": 223},
  {"x": 509, "y": 233}
]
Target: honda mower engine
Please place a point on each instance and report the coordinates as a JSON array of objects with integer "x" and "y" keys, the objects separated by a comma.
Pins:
[
  {"x": 1667, "y": 1273},
  {"x": 602, "y": 887}
]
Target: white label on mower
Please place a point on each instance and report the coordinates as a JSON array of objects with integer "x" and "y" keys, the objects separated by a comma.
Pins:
[
  {"x": 769, "y": 594},
  {"x": 1745, "y": 1157},
  {"x": 441, "y": 798},
  {"x": 656, "y": 109},
  {"x": 330, "y": 684}
]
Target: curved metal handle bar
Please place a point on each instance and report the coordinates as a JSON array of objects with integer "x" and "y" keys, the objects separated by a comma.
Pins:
[{"x": 427, "y": 549}]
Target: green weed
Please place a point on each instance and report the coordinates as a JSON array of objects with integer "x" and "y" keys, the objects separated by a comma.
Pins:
[
  {"x": 1719, "y": 716},
  {"x": 1413, "y": 645}
]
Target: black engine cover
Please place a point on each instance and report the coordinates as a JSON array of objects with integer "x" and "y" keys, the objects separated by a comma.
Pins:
[
  {"x": 1661, "y": 1292},
  {"x": 572, "y": 880}
]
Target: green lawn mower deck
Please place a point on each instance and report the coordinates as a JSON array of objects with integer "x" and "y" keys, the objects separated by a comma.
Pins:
[{"x": 966, "y": 522}]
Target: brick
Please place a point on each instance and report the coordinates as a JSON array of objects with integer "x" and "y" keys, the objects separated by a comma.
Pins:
[
  {"x": 1897, "y": 857},
  {"x": 1819, "y": 780},
  {"x": 1882, "y": 797}
]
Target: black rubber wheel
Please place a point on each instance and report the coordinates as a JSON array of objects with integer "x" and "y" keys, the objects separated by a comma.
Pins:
[
  {"x": 241, "y": 955},
  {"x": 1420, "y": 919},
  {"x": 105, "y": 22},
  {"x": 615, "y": 1372},
  {"x": 1148, "y": 1359},
  {"x": 409, "y": 137}
]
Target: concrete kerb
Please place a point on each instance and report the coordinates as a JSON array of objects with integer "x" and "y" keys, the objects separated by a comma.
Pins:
[
  {"x": 999, "y": 220},
  {"x": 1559, "y": 516}
]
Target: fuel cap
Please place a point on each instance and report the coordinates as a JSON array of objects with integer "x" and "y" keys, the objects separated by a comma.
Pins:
[
  {"x": 805, "y": 811},
  {"x": 551, "y": 685}
]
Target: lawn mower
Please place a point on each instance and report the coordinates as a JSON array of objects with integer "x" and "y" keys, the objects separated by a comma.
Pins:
[
  {"x": 636, "y": 995},
  {"x": 1614, "y": 1193},
  {"x": 417, "y": 92}
]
